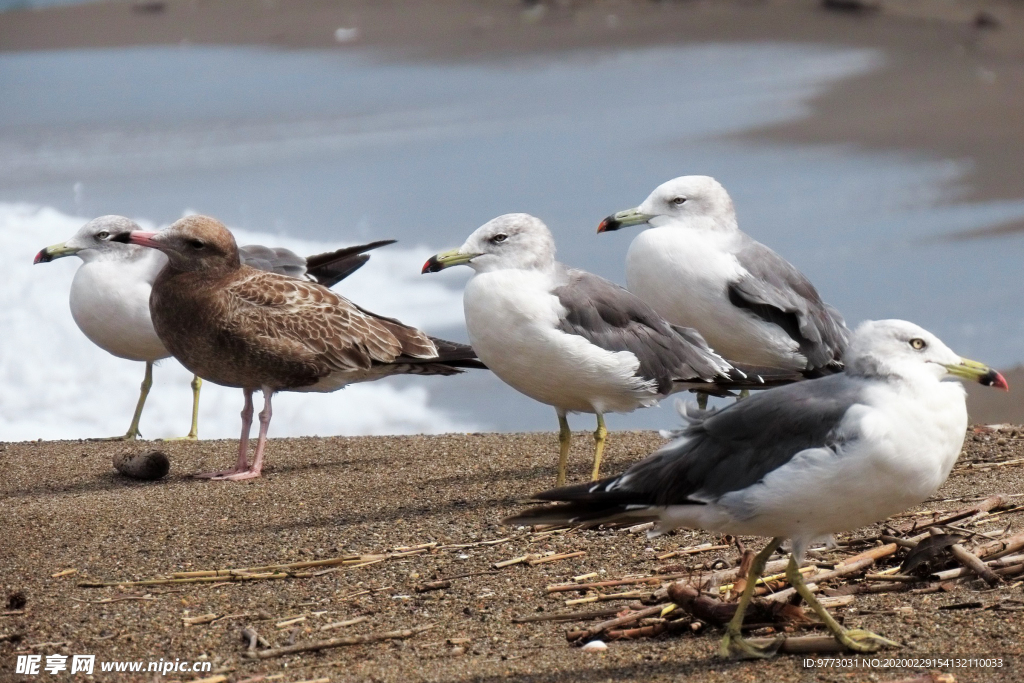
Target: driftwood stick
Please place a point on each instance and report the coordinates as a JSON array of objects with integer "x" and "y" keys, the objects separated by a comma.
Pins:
[
  {"x": 568, "y": 616},
  {"x": 600, "y": 628},
  {"x": 555, "y": 558},
  {"x": 990, "y": 503},
  {"x": 565, "y": 587},
  {"x": 972, "y": 562},
  {"x": 996, "y": 549},
  {"x": 337, "y": 642}
]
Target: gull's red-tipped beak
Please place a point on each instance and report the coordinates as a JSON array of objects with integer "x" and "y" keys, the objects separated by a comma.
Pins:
[
  {"x": 143, "y": 239},
  {"x": 998, "y": 381}
]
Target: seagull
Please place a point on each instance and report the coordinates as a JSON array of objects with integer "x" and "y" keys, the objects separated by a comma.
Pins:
[
  {"x": 110, "y": 292},
  {"x": 800, "y": 461},
  {"x": 238, "y": 326},
  {"x": 571, "y": 339},
  {"x": 696, "y": 268}
]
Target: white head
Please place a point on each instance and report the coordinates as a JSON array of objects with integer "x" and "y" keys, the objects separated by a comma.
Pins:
[
  {"x": 95, "y": 240},
  {"x": 903, "y": 350},
  {"x": 694, "y": 201},
  {"x": 513, "y": 241}
]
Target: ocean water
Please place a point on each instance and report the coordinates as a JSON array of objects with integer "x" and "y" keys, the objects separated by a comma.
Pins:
[{"x": 338, "y": 147}]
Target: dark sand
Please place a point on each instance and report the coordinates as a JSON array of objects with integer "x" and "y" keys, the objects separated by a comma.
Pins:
[{"x": 64, "y": 507}]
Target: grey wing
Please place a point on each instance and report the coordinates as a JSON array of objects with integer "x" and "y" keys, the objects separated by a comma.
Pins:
[
  {"x": 778, "y": 293},
  {"x": 327, "y": 269},
  {"x": 332, "y": 267},
  {"x": 736, "y": 447},
  {"x": 273, "y": 260},
  {"x": 616, "y": 320},
  {"x": 715, "y": 454}
]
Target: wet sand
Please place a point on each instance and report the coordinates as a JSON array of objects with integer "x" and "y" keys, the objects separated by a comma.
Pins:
[{"x": 64, "y": 508}]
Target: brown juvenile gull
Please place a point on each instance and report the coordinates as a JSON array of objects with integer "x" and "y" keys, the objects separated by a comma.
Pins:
[
  {"x": 110, "y": 292},
  {"x": 238, "y": 326}
]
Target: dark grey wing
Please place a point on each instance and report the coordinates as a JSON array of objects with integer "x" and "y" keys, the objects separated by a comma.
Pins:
[
  {"x": 616, "y": 320},
  {"x": 716, "y": 453},
  {"x": 332, "y": 267},
  {"x": 273, "y": 260},
  {"x": 778, "y": 293},
  {"x": 327, "y": 269}
]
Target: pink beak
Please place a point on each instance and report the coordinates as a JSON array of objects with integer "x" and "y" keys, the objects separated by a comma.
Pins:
[{"x": 144, "y": 239}]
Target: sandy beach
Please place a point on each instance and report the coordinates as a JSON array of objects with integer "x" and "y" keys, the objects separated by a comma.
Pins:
[{"x": 70, "y": 519}]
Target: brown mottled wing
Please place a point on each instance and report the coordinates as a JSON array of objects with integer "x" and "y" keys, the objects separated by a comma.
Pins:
[{"x": 308, "y": 322}]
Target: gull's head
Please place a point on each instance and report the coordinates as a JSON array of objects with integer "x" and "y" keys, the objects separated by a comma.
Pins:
[
  {"x": 194, "y": 243},
  {"x": 697, "y": 201},
  {"x": 95, "y": 239},
  {"x": 897, "y": 348},
  {"x": 513, "y": 241}
]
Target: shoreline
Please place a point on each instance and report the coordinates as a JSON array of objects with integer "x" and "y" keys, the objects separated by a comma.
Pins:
[{"x": 953, "y": 75}]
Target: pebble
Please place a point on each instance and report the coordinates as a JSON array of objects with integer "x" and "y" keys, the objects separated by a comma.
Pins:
[{"x": 595, "y": 646}]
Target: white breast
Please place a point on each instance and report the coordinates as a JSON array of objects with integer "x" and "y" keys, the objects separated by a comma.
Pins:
[
  {"x": 512, "y": 320},
  {"x": 684, "y": 275},
  {"x": 110, "y": 304}
]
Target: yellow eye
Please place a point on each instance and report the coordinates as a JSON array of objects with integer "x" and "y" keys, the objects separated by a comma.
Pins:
[{"x": 917, "y": 343}]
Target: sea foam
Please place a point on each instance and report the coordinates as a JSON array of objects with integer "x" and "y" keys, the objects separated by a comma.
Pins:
[{"x": 55, "y": 384}]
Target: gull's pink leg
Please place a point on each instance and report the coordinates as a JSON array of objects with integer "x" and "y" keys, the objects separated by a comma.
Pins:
[
  {"x": 243, "y": 443},
  {"x": 257, "y": 465}
]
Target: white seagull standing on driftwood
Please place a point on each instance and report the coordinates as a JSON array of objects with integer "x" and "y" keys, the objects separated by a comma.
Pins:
[
  {"x": 696, "y": 268},
  {"x": 110, "y": 292},
  {"x": 801, "y": 461},
  {"x": 571, "y": 339}
]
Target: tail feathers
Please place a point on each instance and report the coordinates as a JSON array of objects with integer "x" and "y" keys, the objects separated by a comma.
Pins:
[
  {"x": 332, "y": 267},
  {"x": 449, "y": 355},
  {"x": 589, "y": 505},
  {"x": 742, "y": 376},
  {"x": 578, "y": 514}
]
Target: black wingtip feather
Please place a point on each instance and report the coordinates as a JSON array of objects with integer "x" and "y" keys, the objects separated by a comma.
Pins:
[{"x": 332, "y": 267}]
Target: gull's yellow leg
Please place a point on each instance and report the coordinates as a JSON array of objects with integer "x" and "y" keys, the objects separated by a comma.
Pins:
[
  {"x": 856, "y": 640},
  {"x": 702, "y": 400},
  {"x": 733, "y": 640},
  {"x": 193, "y": 434},
  {"x": 744, "y": 393},
  {"x": 133, "y": 431},
  {"x": 564, "y": 438},
  {"x": 600, "y": 435}
]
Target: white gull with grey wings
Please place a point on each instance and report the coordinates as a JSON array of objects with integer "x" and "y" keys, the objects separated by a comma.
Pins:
[
  {"x": 801, "y": 461},
  {"x": 569, "y": 338},
  {"x": 695, "y": 267}
]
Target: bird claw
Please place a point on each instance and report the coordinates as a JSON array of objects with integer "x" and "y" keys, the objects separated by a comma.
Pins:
[
  {"x": 217, "y": 475},
  {"x": 124, "y": 437},
  {"x": 734, "y": 645},
  {"x": 188, "y": 437},
  {"x": 236, "y": 476},
  {"x": 860, "y": 640}
]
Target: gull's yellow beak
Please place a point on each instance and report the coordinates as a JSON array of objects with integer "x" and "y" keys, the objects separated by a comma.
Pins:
[
  {"x": 977, "y": 372},
  {"x": 55, "y": 251},
  {"x": 447, "y": 259},
  {"x": 623, "y": 219}
]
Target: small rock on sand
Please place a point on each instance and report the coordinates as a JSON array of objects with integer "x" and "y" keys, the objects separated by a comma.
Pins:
[{"x": 147, "y": 466}]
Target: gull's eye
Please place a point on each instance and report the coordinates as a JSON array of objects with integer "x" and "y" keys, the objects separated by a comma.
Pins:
[
  {"x": 102, "y": 235},
  {"x": 918, "y": 343},
  {"x": 196, "y": 244},
  {"x": 499, "y": 238},
  {"x": 679, "y": 201}
]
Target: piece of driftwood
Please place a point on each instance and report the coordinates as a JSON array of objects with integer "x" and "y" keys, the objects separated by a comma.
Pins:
[
  {"x": 568, "y": 616},
  {"x": 598, "y": 629},
  {"x": 147, "y": 466},
  {"x": 336, "y": 642},
  {"x": 718, "y": 612},
  {"x": 972, "y": 562}
]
